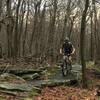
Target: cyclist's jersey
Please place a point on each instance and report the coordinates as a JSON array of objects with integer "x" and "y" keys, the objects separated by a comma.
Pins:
[{"x": 67, "y": 48}]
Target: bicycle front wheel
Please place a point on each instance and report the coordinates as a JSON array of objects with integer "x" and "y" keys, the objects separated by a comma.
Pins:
[{"x": 64, "y": 68}]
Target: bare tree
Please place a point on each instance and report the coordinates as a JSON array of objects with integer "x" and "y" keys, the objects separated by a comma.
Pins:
[
  {"x": 21, "y": 28},
  {"x": 67, "y": 14},
  {"x": 52, "y": 26},
  {"x": 9, "y": 29},
  {"x": 91, "y": 38},
  {"x": 0, "y": 12},
  {"x": 25, "y": 32},
  {"x": 34, "y": 34},
  {"x": 34, "y": 26},
  {"x": 16, "y": 41},
  {"x": 82, "y": 45}
]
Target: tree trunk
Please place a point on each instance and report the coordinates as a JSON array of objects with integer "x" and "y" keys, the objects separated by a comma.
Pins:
[
  {"x": 16, "y": 30},
  {"x": 42, "y": 41},
  {"x": 0, "y": 7},
  {"x": 91, "y": 38},
  {"x": 82, "y": 44},
  {"x": 0, "y": 12},
  {"x": 96, "y": 37},
  {"x": 23, "y": 8},
  {"x": 71, "y": 27},
  {"x": 34, "y": 27},
  {"x": 52, "y": 28},
  {"x": 9, "y": 28},
  {"x": 66, "y": 20},
  {"x": 25, "y": 33}
]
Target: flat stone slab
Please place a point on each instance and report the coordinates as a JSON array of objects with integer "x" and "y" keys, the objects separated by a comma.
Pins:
[
  {"x": 52, "y": 82},
  {"x": 15, "y": 87},
  {"x": 77, "y": 67}
]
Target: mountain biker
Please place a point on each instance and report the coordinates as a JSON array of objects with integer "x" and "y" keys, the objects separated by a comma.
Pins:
[{"x": 67, "y": 49}]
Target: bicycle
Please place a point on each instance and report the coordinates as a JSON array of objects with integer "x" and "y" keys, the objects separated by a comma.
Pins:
[{"x": 66, "y": 65}]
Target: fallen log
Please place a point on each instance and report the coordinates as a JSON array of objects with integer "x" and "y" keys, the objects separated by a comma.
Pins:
[
  {"x": 21, "y": 72},
  {"x": 9, "y": 92},
  {"x": 31, "y": 76},
  {"x": 14, "y": 87},
  {"x": 11, "y": 78}
]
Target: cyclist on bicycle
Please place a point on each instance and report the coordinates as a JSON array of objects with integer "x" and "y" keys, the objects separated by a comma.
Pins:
[{"x": 67, "y": 49}]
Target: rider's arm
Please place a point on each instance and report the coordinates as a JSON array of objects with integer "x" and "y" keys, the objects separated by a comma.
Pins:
[
  {"x": 73, "y": 50},
  {"x": 60, "y": 50}
]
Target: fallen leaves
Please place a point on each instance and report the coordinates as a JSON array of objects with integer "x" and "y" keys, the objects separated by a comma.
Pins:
[{"x": 66, "y": 93}]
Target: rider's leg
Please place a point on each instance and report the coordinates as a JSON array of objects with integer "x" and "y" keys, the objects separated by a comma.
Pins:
[
  {"x": 70, "y": 62},
  {"x": 62, "y": 68}
]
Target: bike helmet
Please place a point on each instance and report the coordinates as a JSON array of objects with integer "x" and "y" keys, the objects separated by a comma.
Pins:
[{"x": 66, "y": 39}]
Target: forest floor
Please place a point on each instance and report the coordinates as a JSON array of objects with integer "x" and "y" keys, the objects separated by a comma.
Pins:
[
  {"x": 74, "y": 92},
  {"x": 59, "y": 92}
]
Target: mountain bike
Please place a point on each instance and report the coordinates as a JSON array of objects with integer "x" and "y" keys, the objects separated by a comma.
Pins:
[{"x": 66, "y": 65}]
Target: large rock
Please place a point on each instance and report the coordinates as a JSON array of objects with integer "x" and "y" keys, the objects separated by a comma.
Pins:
[
  {"x": 13, "y": 82},
  {"x": 15, "y": 87},
  {"x": 77, "y": 67},
  {"x": 11, "y": 78},
  {"x": 53, "y": 82}
]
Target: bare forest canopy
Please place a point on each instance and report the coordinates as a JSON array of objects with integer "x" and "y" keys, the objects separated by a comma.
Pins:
[{"x": 38, "y": 27}]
